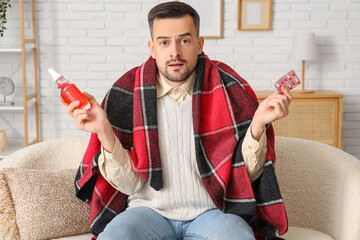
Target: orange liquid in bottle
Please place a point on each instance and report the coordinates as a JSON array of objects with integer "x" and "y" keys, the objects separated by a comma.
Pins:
[{"x": 70, "y": 93}]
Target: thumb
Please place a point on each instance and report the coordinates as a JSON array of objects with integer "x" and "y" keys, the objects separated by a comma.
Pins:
[{"x": 91, "y": 99}]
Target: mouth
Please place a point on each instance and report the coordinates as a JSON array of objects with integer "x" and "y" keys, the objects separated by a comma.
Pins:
[{"x": 176, "y": 64}]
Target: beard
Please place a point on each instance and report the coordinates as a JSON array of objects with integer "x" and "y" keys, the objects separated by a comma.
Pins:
[{"x": 178, "y": 75}]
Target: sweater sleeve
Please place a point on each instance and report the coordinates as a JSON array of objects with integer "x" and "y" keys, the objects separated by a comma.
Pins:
[
  {"x": 116, "y": 168},
  {"x": 254, "y": 154}
]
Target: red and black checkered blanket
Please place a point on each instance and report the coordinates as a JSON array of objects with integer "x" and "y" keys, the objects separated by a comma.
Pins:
[{"x": 223, "y": 107}]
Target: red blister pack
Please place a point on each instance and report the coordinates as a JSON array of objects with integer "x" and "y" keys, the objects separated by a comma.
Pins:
[{"x": 290, "y": 80}]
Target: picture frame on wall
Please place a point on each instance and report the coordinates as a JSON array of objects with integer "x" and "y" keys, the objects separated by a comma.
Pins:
[
  {"x": 211, "y": 17},
  {"x": 254, "y": 15}
]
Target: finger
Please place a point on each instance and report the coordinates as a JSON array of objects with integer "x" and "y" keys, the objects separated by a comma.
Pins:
[
  {"x": 286, "y": 96},
  {"x": 81, "y": 117},
  {"x": 282, "y": 99},
  {"x": 279, "y": 106},
  {"x": 277, "y": 111},
  {"x": 91, "y": 99},
  {"x": 81, "y": 120},
  {"x": 70, "y": 109},
  {"x": 286, "y": 92},
  {"x": 78, "y": 112}
]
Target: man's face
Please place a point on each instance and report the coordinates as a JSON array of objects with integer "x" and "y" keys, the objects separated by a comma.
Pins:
[{"x": 175, "y": 47}]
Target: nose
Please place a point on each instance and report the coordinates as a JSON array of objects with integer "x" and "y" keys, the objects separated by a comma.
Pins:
[{"x": 175, "y": 51}]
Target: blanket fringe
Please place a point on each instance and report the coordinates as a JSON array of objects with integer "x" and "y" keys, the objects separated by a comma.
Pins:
[{"x": 7, "y": 211}]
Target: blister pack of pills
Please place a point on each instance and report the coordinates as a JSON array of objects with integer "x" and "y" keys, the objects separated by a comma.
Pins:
[{"x": 290, "y": 80}]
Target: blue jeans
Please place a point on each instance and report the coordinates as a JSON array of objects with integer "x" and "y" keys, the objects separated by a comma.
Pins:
[{"x": 142, "y": 223}]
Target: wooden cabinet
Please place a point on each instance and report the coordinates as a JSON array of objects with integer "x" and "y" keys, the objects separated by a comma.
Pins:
[{"x": 315, "y": 116}]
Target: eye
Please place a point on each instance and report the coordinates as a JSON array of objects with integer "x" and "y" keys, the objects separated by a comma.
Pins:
[
  {"x": 184, "y": 41},
  {"x": 163, "y": 43}
]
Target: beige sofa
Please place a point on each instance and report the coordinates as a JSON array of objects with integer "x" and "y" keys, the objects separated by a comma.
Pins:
[{"x": 320, "y": 186}]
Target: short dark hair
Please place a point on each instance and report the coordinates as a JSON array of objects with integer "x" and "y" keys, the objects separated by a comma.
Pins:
[{"x": 173, "y": 10}]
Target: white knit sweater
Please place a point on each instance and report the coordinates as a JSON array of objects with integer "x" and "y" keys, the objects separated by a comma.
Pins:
[{"x": 183, "y": 196}]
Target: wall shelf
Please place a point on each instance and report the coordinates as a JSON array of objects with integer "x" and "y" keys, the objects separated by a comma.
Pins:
[
  {"x": 28, "y": 99},
  {"x": 10, "y": 50},
  {"x": 16, "y": 107},
  {"x": 15, "y": 50}
]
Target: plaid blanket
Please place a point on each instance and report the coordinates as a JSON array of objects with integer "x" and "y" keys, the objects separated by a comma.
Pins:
[{"x": 223, "y": 107}]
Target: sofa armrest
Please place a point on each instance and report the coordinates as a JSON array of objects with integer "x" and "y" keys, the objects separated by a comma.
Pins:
[{"x": 320, "y": 186}]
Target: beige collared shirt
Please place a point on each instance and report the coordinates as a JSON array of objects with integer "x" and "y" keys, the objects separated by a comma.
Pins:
[
  {"x": 178, "y": 94},
  {"x": 116, "y": 166}
]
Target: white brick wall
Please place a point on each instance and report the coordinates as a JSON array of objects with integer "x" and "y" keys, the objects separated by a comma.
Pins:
[{"x": 94, "y": 42}]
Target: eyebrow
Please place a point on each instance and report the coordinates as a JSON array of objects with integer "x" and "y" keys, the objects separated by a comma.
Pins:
[{"x": 180, "y": 35}]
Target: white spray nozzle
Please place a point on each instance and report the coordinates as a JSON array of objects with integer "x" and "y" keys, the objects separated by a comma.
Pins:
[{"x": 55, "y": 75}]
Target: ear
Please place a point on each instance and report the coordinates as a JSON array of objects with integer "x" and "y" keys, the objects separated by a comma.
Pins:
[
  {"x": 201, "y": 45},
  {"x": 151, "y": 47}
]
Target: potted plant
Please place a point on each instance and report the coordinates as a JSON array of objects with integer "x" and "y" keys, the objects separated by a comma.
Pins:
[{"x": 4, "y": 5}]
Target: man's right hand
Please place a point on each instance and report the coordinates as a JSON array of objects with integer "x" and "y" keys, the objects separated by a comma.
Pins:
[{"x": 93, "y": 120}]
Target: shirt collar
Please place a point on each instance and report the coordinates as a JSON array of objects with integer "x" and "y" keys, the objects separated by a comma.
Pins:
[{"x": 162, "y": 87}]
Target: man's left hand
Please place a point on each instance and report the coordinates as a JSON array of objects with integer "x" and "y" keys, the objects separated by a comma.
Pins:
[{"x": 274, "y": 107}]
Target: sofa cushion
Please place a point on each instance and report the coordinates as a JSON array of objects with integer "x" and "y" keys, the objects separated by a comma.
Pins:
[
  {"x": 43, "y": 204},
  {"x": 298, "y": 233},
  {"x": 86, "y": 236}
]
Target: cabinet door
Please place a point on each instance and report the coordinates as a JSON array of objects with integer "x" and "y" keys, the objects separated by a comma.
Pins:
[{"x": 312, "y": 119}]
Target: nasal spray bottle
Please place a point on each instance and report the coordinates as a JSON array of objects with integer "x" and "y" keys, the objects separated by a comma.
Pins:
[{"x": 69, "y": 92}]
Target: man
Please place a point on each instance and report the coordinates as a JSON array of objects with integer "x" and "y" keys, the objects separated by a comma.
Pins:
[{"x": 180, "y": 148}]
